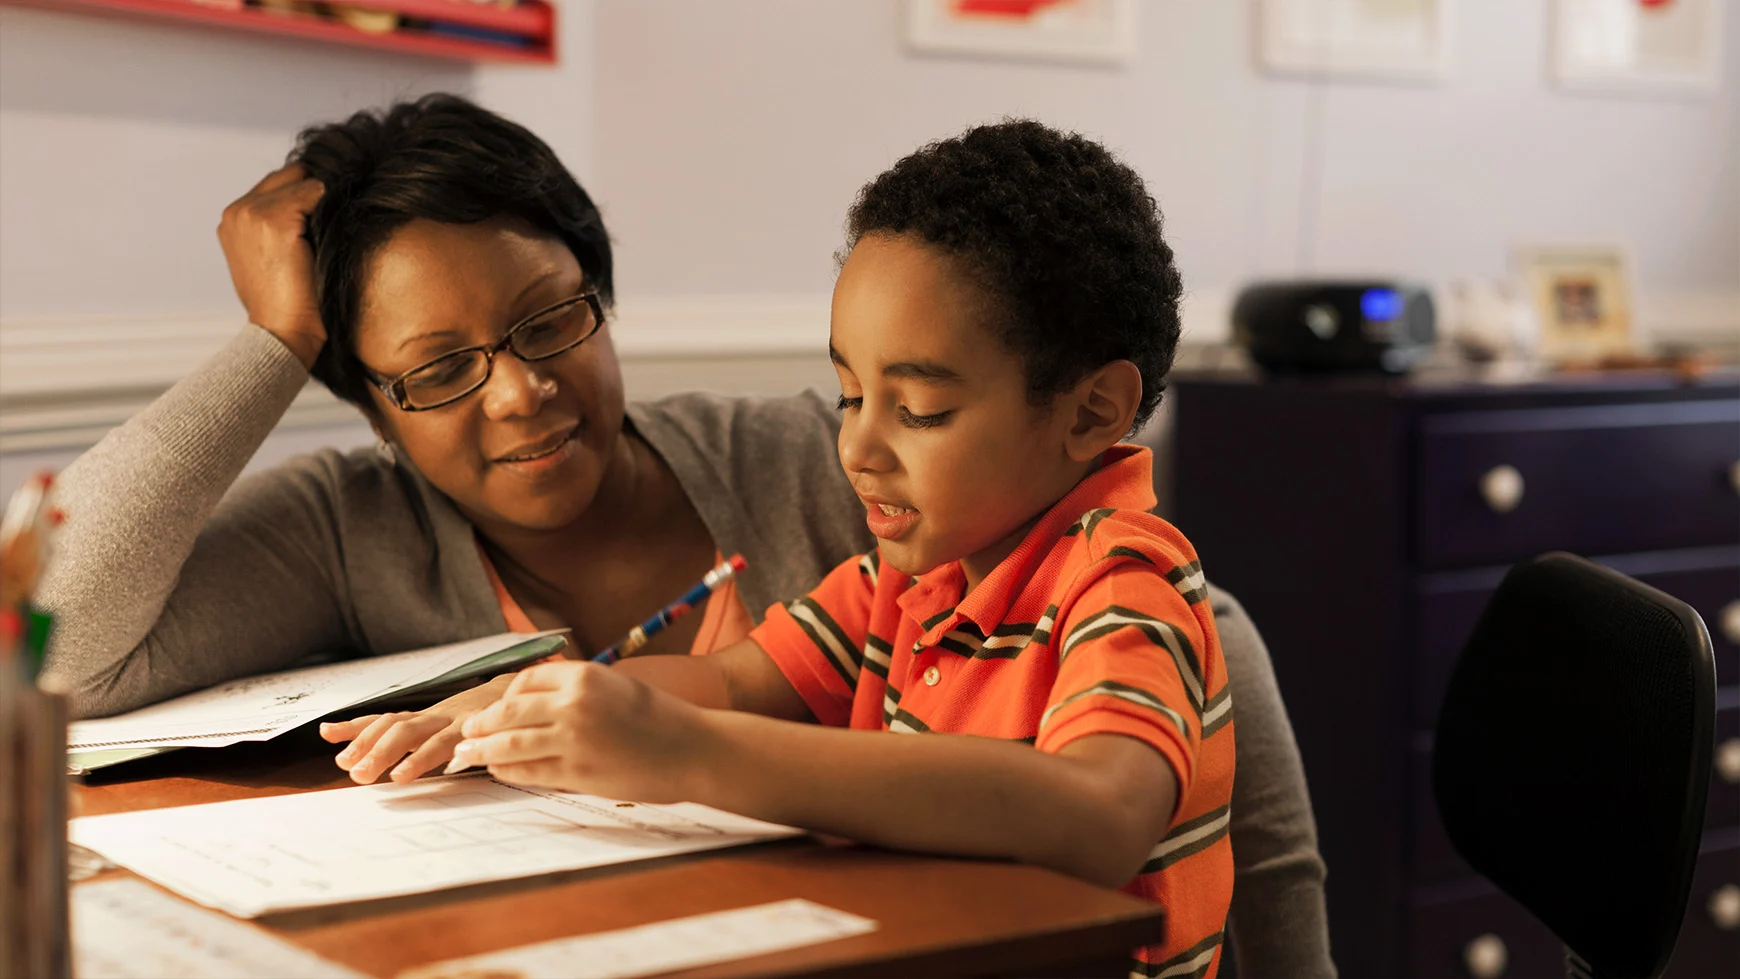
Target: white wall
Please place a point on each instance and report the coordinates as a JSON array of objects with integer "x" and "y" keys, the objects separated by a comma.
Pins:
[
  {"x": 122, "y": 140},
  {"x": 558, "y": 103},
  {"x": 725, "y": 138},
  {"x": 732, "y": 137}
]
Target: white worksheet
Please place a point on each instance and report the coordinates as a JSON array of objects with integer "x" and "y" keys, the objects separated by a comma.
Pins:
[
  {"x": 664, "y": 946},
  {"x": 258, "y": 708},
  {"x": 127, "y": 929},
  {"x": 254, "y": 856}
]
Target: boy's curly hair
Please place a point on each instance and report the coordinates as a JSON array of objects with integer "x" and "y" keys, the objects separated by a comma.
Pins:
[{"x": 1062, "y": 237}]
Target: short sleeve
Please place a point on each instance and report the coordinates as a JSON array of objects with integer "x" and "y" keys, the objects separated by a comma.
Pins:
[
  {"x": 1131, "y": 662},
  {"x": 818, "y": 640}
]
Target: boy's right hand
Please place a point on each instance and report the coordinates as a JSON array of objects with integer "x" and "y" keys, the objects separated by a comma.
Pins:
[
  {"x": 270, "y": 262},
  {"x": 423, "y": 738}
]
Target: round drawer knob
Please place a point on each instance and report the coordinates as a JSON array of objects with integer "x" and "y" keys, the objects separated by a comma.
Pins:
[
  {"x": 1486, "y": 957},
  {"x": 1728, "y": 761},
  {"x": 1725, "y": 907},
  {"x": 1730, "y": 624},
  {"x": 1502, "y": 488}
]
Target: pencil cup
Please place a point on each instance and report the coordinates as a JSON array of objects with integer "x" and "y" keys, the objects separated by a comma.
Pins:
[{"x": 35, "y": 937}]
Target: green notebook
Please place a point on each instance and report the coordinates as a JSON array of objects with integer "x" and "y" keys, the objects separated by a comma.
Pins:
[{"x": 427, "y": 691}]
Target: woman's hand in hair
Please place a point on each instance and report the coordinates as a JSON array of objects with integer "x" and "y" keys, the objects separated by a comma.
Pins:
[{"x": 270, "y": 262}]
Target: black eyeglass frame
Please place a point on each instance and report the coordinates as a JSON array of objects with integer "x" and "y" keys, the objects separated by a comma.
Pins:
[{"x": 393, "y": 388}]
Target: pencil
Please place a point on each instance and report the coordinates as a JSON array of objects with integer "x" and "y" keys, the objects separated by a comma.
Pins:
[{"x": 638, "y": 636}]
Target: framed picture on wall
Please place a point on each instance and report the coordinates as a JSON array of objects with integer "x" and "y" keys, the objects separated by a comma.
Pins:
[
  {"x": 1374, "y": 40},
  {"x": 1582, "y": 298},
  {"x": 1099, "y": 32},
  {"x": 1663, "y": 47}
]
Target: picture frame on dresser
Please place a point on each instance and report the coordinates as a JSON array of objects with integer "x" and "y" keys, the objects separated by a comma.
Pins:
[{"x": 1582, "y": 300}]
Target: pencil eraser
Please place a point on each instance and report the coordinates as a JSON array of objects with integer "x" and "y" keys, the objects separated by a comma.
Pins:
[{"x": 737, "y": 563}]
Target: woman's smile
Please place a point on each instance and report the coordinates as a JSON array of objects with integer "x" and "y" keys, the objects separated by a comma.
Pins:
[{"x": 539, "y": 457}]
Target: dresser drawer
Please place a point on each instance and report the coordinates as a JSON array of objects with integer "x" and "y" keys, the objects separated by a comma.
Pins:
[
  {"x": 1485, "y": 936},
  {"x": 1724, "y": 807},
  {"x": 1494, "y": 487},
  {"x": 1468, "y": 936},
  {"x": 1709, "y": 942},
  {"x": 1448, "y": 606}
]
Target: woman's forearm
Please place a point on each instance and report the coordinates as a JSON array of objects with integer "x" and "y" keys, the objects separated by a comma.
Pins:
[
  {"x": 951, "y": 794},
  {"x": 136, "y": 502}
]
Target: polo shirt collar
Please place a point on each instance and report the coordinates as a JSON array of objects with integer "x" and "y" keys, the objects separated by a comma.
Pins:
[{"x": 1124, "y": 481}]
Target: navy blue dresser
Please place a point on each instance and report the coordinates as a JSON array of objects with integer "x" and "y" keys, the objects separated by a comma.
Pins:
[{"x": 1364, "y": 520}]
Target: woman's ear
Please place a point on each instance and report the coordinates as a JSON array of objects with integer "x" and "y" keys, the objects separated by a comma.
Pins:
[{"x": 1103, "y": 406}]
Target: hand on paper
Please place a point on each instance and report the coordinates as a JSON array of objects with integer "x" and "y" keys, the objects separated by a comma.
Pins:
[
  {"x": 424, "y": 738},
  {"x": 580, "y": 727},
  {"x": 271, "y": 264}
]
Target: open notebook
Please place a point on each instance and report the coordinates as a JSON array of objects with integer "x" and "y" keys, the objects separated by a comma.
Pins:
[{"x": 259, "y": 708}]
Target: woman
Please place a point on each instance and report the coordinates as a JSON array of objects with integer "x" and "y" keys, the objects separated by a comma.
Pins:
[{"x": 437, "y": 267}]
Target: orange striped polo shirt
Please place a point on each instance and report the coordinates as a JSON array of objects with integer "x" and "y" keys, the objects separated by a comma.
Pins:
[{"x": 1097, "y": 623}]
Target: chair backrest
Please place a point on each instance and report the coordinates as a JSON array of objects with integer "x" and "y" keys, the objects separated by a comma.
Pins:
[{"x": 1572, "y": 757}]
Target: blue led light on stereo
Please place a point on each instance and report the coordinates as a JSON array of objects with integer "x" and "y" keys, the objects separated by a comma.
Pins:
[{"x": 1380, "y": 304}]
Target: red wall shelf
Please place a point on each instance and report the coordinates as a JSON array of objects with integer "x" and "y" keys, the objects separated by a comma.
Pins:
[{"x": 533, "y": 20}]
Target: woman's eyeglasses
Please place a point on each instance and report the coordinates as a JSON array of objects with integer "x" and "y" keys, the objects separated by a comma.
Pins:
[{"x": 540, "y": 336}]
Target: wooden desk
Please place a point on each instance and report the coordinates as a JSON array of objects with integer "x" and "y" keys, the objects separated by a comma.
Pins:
[{"x": 938, "y": 916}]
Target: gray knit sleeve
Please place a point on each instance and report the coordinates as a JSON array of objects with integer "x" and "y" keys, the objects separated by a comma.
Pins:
[
  {"x": 156, "y": 589},
  {"x": 1279, "y": 924}
]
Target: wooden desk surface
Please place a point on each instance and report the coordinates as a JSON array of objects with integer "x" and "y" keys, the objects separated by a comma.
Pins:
[{"x": 938, "y": 916}]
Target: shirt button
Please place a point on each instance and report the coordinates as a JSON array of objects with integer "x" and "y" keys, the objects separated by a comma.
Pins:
[{"x": 931, "y": 676}]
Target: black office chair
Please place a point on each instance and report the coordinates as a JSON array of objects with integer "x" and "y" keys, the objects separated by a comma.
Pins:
[{"x": 1572, "y": 759}]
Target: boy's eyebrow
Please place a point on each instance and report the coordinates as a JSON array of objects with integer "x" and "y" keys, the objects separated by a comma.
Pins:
[{"x": 928, "y": 371}]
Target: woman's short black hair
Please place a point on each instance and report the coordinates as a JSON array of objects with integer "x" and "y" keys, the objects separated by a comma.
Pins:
[
  {"x": 1062, "y": 237},
  {"x": 441, "y": 158}
]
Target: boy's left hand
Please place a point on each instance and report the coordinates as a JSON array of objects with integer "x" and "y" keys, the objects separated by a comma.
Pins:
[{"x": 580, "y": 727}]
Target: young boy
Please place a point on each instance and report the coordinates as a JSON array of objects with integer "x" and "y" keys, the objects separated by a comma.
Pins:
[{"x": 1006, "y": 313}]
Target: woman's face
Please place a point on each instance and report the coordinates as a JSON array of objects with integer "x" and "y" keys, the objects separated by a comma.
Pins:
[{"x": 530, "y": 447}]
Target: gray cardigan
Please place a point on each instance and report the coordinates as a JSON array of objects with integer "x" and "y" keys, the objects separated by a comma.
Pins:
[{"x": 170, "y": 575}]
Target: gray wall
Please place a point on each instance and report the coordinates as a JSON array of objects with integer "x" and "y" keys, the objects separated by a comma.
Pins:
[
  {"x": 725, "y": 138},
  {"x": 732, "y": 136},
  {"x": 122, "y": 140}
]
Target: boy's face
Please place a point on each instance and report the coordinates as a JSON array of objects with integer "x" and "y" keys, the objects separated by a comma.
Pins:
[{"x": 937, "y": 434}]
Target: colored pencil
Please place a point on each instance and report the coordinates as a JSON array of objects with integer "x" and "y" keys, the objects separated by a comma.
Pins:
[
  {"x": 638, "y": 636},
  {"x": 694, "y": 597}
]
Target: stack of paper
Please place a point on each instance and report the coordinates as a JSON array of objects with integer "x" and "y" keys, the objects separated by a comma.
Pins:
[
  {"x": 127, "y": 929},
  {"x": 259, "y": 708},
  {"x": 255, "y": 856},
  {"x": 664, "y": 946}
]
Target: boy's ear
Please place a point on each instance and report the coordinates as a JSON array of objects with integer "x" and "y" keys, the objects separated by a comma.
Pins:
[{"x": 1102, "y": 408}]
